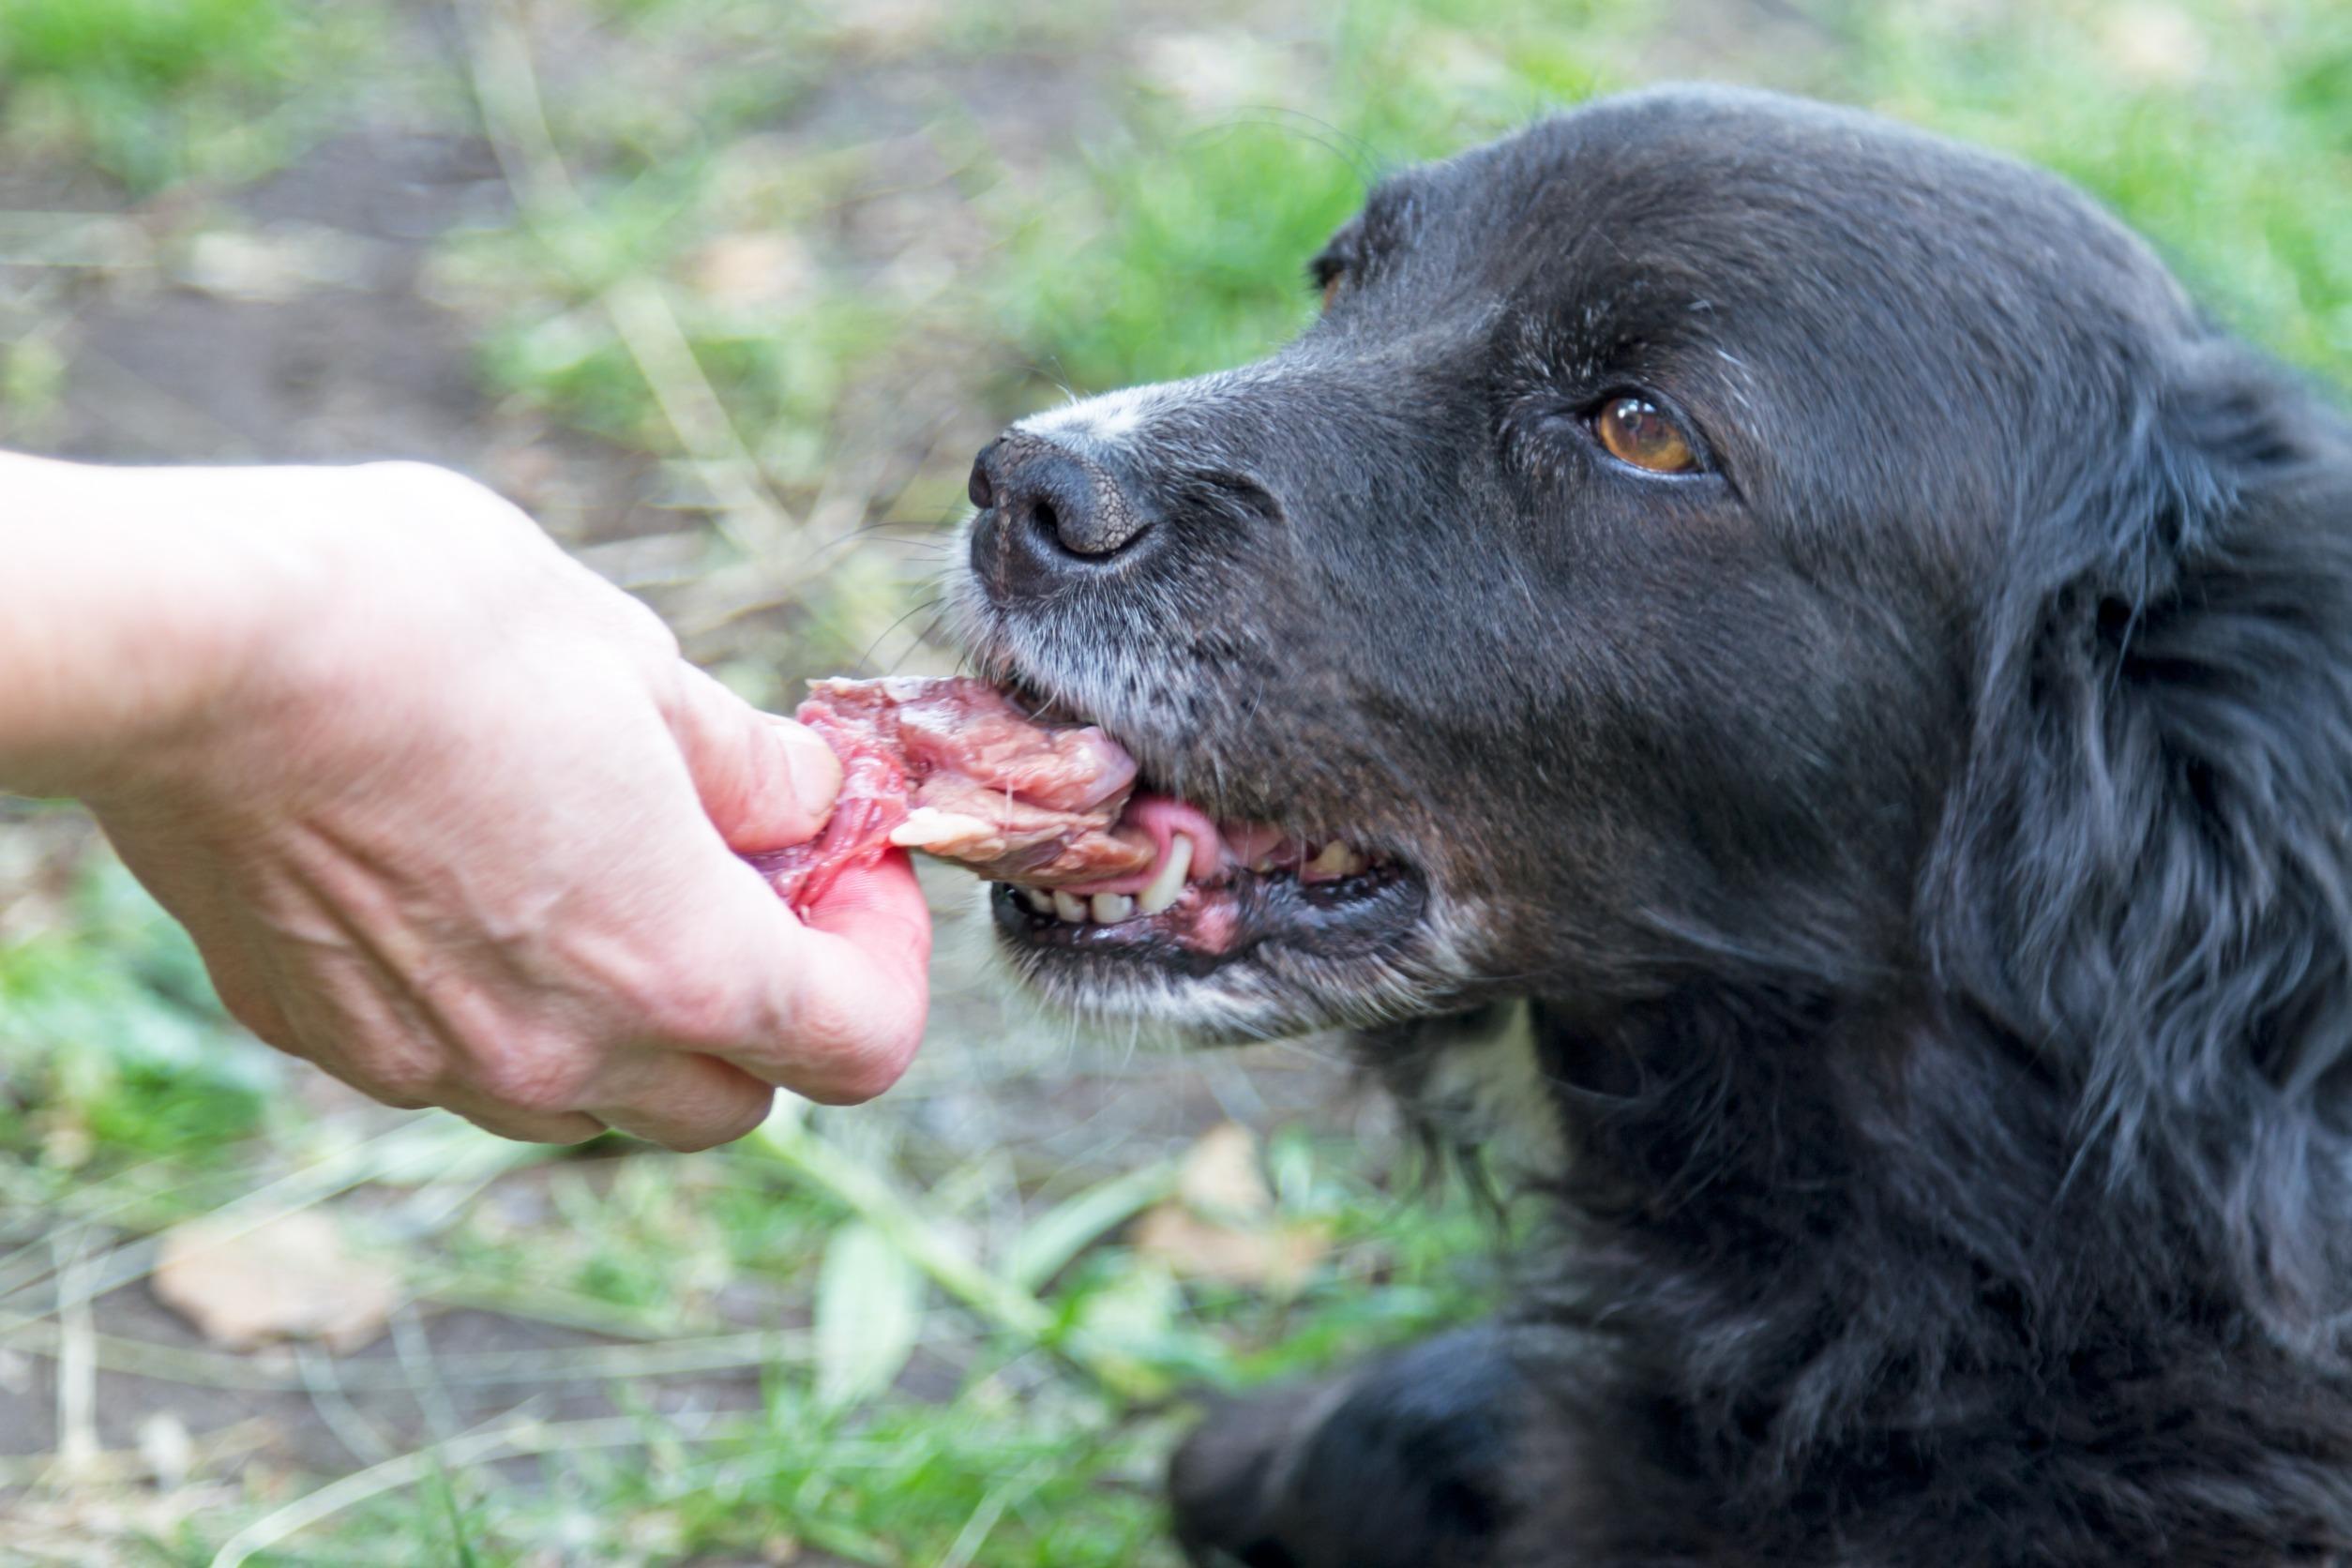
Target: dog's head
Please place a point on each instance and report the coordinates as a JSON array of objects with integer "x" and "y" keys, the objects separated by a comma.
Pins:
[{"x": 1694, "y": 526}]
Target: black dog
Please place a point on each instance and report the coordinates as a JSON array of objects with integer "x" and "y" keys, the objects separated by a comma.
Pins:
[{"x": 1808, "y": 619}]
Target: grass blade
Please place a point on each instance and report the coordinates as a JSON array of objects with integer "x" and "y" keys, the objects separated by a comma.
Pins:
[{"x": 869, "y": 1312}]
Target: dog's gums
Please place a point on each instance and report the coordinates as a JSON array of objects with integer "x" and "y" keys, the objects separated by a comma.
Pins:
[{"x": 1048, "y": 809}]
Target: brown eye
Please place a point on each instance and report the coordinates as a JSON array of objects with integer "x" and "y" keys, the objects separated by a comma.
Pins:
[
  {"x": 1635, "y": 431},
  {"x": 1334, "y": 284}
]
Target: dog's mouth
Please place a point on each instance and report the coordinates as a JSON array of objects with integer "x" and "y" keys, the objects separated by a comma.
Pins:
[
  {"x": 1216, "y": 888},
  {"x": 1114, "y": 893},
  {"x": 1216, "y": 891}
]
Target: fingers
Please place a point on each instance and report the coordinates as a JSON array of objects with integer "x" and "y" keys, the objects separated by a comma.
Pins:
[
  {"x": 763, "y": 781},
  {"x": 526, "y": 1126},
  {"x": 247, "y": 1002},
  {"x": 832, "y": 1010},
  {"x": 683, "y": 1101},
  {"x": 883, "y": 903},
  {"x": 680, "y": 1035},
  {"x": 854, "y": 1003},
  {"x": 358, "y": 1024},
  {"x": 353, "y": 1061}
]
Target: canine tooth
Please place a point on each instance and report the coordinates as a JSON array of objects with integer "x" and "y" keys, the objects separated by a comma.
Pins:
[
  {"x": 1069, "y": 907},
  {"x": 1039, "y": 899},
  {"x": 1111, "y": 908},
  {"x": 1169, "y": 880}
]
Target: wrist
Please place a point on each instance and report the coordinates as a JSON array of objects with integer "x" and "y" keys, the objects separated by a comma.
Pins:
[{"x": 135, "y": 607}]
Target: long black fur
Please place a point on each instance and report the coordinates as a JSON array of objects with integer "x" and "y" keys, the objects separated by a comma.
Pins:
[
  {"x": 1925, "y": 841},
  {"x": 2042, "y": 1252}
]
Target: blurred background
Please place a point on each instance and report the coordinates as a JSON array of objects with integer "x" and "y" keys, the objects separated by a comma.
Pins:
[{"x": 727, "y": 293}]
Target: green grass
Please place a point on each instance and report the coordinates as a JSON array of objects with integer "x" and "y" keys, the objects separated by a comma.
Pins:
[
  {"x": 114, "y": 1050},
  {"x": 1180, "y": 245},
  {"x": 2224, "y": 132},
  {"x": 1166, "y": 238},
  {"x": 130, "y": 1105},
  {"x": 150, "y": 92},
  {"x": 2229, "y": 142}
]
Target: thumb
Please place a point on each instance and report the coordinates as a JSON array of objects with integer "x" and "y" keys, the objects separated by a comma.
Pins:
[{"x": 764, "y": 782}]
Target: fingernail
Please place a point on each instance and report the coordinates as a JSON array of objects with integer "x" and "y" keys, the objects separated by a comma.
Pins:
[{"x": 816, "y": 770}]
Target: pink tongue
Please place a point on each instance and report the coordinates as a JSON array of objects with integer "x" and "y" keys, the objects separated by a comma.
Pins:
[{"x": 1163, "y": 817}]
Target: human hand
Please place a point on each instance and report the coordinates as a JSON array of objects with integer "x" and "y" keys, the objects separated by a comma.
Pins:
[{"x": 447, "y": 815}]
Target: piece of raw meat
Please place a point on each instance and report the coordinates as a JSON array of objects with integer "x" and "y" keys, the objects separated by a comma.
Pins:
[{"x": 953, "y": 768}]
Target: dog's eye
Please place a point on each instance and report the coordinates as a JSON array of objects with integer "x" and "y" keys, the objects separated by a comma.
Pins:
[
  {"x": 1332, "y": 285},
  {"x": 1636, "y": 430}
]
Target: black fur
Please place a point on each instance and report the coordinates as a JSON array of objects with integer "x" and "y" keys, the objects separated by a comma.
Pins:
[
  {"x": 1404, "y": 1464},
  {"x": 1923, "y": 837}
]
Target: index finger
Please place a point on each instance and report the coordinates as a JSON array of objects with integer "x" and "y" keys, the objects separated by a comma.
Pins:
[{"x": 851, "y": 1002}]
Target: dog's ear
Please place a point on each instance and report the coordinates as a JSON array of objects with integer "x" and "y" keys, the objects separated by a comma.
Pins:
[{"x": 2145, "y": 873}]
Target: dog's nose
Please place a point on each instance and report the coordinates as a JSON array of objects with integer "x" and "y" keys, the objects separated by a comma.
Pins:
[{"x": 1052, "y": 515}]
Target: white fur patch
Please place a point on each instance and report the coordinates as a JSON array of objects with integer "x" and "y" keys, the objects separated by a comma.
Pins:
[
  {"x": 1114, "y": 418},
  {"x": 1110, "y": 418},
  {"x": 1490, "y": 1096}
]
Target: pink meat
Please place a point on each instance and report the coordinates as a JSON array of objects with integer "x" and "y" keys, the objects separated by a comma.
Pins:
[{"x": 953, "y": 768}]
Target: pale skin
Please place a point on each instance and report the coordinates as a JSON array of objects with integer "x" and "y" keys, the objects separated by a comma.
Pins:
[{"x": 446, "y": 814}]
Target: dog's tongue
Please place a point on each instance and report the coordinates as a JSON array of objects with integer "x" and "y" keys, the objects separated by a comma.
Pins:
[
  {"x": 953, "y": 768},
  {"x": 1161, "y": 819}
]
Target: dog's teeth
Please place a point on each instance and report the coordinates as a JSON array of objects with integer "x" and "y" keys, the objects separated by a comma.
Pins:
[
  {"x": 1169, "y": 880},
  {"x": 1037, "y": 899},
  {"x": 1335, "y": 860},
  {"x": 1111, "y": 908},
  {"x": 1069, "y": 907}
]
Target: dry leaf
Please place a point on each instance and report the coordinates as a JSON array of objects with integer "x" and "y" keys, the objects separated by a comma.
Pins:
[
  {"x": 291, "y": 1278},
  {"x": 763, "y": 269},
  {"x": 1221, "y": 1224},
  {"x": 1220, "y": 1177},
  {"x": 1275, "y": 1257}
]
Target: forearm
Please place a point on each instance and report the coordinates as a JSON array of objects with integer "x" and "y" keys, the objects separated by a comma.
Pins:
[{"x": 131, "y": 602}]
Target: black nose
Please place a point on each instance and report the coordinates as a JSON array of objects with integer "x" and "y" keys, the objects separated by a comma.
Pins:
[{"x": 1052, "y": 515}]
